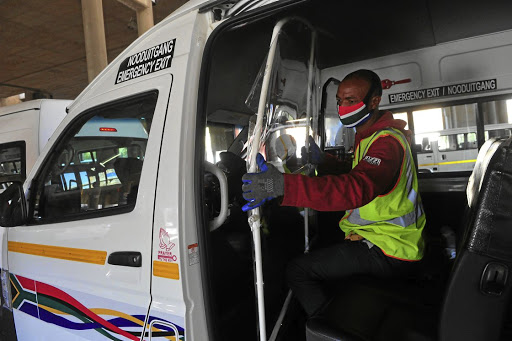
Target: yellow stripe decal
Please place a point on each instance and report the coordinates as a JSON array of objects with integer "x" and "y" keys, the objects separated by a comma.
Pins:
[
  {"x": 446, "y": 163},
  {"x": 52, "y": 310},
  {"x": 59, "y": 252},
  {"x": 110, "y": 312},
  {"x": 17, "y": 292},
  {"x": 166, "y": 270}
]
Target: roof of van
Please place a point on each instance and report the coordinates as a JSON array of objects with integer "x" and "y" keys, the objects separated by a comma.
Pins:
[
  {"x": 24, "y": 106},
  {"x": 188, "y": 6},
  {"x": 241, "y": 5}
]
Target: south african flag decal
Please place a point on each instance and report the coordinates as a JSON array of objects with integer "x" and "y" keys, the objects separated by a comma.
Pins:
[{"x": 52, "y": 305}]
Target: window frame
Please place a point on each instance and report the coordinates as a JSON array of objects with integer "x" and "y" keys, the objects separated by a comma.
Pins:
[
  {"x": 480, "y": 126},
  {"x": 36, "y": 187},
  {"x": 440, "y": 104}
]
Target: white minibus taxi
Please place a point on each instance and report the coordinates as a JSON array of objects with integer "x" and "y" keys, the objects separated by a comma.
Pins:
[
  {"x": 25, "y": 129},
  {"x": 454, "y": 150},
  {"x": 130, "y": 226}
]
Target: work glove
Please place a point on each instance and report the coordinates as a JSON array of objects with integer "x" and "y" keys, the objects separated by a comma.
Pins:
[
  {"x": 316, "y": 155},
  {"x": 260, "y": 187}
]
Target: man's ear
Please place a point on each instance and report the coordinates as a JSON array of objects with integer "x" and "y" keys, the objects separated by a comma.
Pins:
[{"x": 374, "y": 102}]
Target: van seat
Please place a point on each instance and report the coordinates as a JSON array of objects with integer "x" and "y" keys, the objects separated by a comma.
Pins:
[
  {"x": 477, "y": 296},
  {"x": 128, "y": 171},
  {"x": 61, "y": 203}
]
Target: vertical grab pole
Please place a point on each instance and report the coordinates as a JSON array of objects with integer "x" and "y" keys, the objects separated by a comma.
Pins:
[
  {"x": 309, "y": 109},
  {"x": 254, "y": 215},
  {"x": 308, "y": 119}
]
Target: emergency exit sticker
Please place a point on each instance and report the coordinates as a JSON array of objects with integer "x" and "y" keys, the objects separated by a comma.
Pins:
[
  {"x": 442, "y": 91},
  {"x": 193, "y": 254},
  {"x": 143, "y": 63}
]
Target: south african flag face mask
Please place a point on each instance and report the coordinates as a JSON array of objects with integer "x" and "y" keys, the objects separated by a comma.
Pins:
[{"x": 355, "y": 115}]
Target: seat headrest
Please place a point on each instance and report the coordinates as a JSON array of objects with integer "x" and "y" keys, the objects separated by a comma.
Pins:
[
  {"x": 128, "y": 169},
  {"x": 482, "y": 161}
]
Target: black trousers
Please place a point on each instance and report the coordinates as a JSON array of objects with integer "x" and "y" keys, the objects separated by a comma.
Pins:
[{"x": 308, "y": 274}]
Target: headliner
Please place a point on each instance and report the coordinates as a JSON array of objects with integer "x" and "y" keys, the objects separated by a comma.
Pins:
[{"x": 349, "y": 32}]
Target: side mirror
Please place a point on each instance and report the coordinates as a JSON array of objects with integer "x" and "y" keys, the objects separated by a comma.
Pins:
[{"x": 13, "y": 205}]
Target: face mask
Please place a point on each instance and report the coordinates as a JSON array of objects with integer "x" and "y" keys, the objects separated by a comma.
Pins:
[
  {"x": 357, "y": 114},
  {"x": 353, "y": 115}
]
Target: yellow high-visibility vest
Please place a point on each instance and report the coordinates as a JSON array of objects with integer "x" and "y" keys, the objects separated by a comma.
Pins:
[{"x": 394, "y": 221}]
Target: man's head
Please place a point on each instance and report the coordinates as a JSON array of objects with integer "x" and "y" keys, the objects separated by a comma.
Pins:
[{"x": 358, "y": 97}]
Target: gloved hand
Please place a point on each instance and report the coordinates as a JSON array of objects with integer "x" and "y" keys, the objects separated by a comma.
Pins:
[
  {"x": 260, "y": 187},
  {"x": 316, "y": 155}
]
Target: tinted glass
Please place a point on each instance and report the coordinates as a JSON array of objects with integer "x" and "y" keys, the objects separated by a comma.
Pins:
[
  {"x": 97, "y": 166},
  {"x": 12, "y": 159}
]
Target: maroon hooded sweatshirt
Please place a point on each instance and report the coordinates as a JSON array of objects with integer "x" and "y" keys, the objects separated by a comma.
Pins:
[{"x": 358, "y": 187}]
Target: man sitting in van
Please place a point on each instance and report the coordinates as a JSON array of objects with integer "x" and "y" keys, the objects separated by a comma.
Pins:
[{"x": 384, "y": 216}]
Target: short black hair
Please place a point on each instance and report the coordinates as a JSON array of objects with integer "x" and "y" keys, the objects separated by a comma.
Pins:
[{"x": 371, "y": 77}]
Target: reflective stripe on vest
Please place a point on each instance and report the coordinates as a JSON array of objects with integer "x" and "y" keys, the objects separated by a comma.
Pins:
[{"x": 404, "y": 221}]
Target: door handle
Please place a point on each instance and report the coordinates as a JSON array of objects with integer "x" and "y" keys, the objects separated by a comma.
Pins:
[
  {"x": 494, "y": 279},
  {"x": 223, "y": 181},
  {"x": 126, "y": 258}
]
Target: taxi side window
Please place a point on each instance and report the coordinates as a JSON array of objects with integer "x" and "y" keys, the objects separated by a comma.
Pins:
[
  {"x": 96, "y": 166},
  {"x": 12, "y": 159}
]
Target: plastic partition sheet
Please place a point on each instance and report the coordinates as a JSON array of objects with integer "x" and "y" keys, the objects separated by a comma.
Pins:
[{"x": 286, "y": 110}]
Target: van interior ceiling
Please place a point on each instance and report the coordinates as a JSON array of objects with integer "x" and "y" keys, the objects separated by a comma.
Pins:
[{"x": 346, "y": 33}]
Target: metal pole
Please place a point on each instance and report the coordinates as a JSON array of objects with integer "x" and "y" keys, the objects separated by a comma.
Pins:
[
  {"x": 282, "y": 314},
  {"x": 308, "y": 120},
  {"x": 254, "y": 215}
]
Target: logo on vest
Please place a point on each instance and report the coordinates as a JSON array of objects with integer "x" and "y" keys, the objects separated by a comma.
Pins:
[{"x": 372, "y": 160}]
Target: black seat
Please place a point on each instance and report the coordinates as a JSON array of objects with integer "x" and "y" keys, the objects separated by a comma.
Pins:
[
  {"x": 474, "y": 304},
  {"x": 128, "y": 171},
  {"x": 479, "y": 289}
]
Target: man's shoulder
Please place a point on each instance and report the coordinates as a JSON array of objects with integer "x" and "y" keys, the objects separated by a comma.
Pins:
[
  {"x": 391, "y": 132},
  {"x": 388, "y": 141}
]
